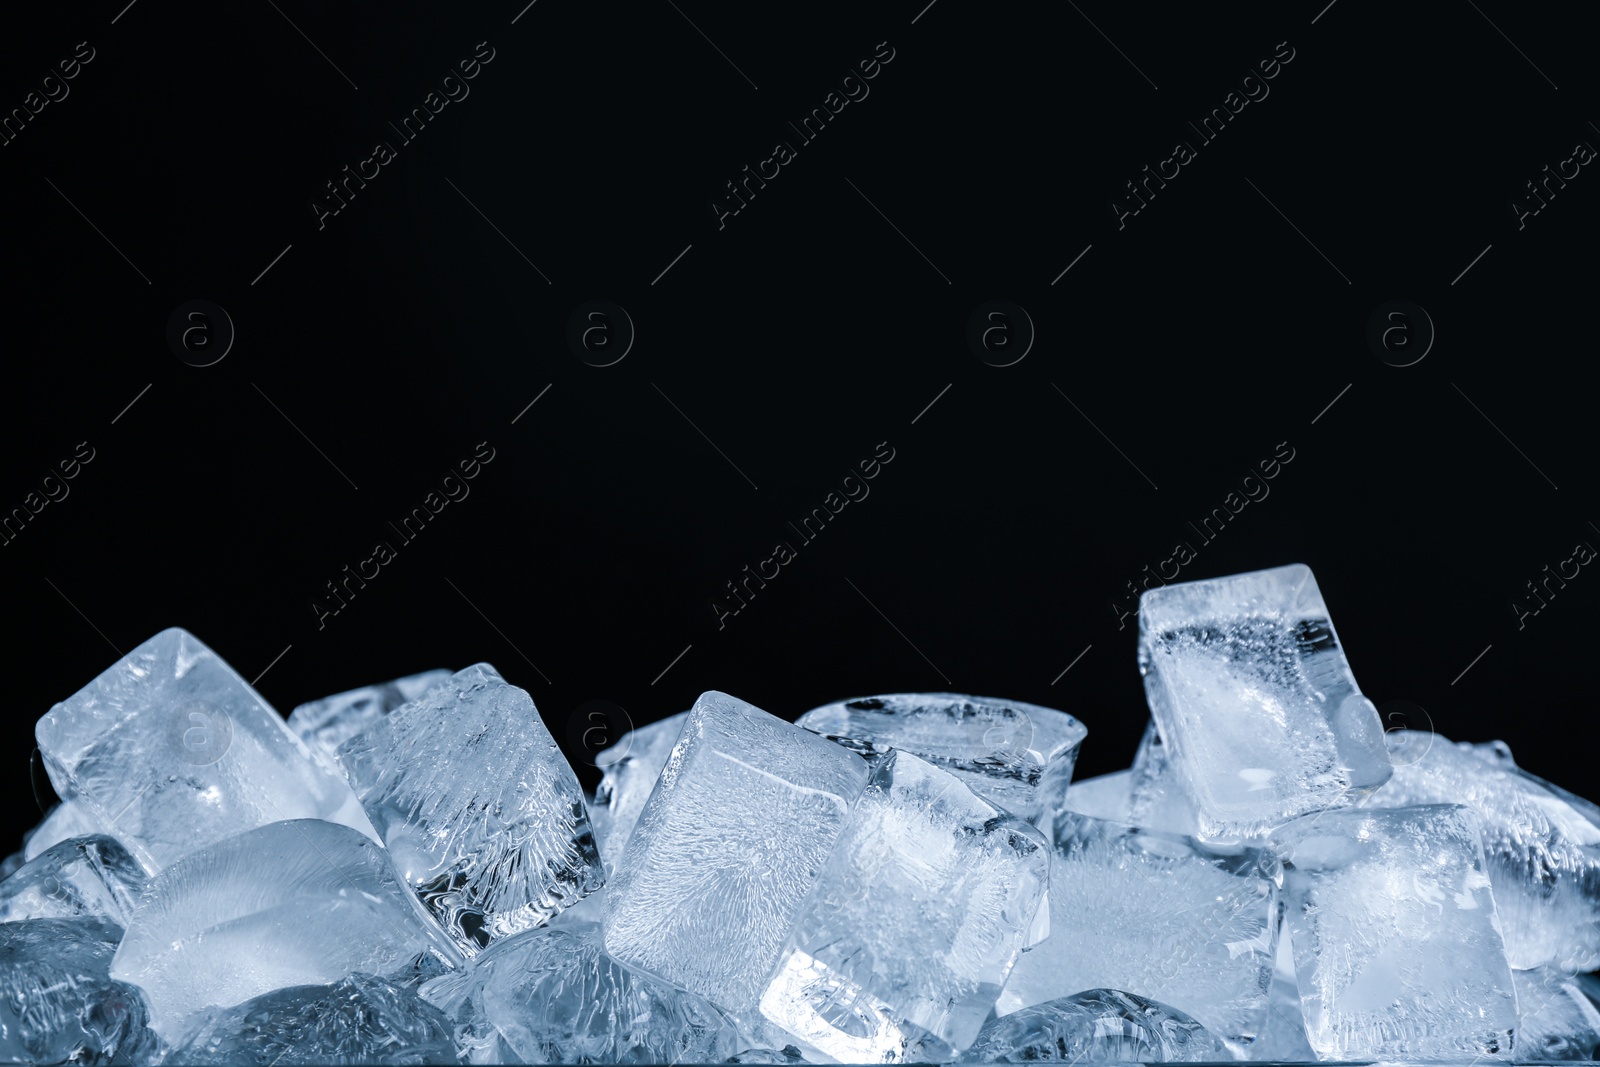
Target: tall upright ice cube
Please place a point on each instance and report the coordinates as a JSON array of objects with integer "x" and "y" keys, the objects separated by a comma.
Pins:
[
  {"x": 479, "y": 808},
  {"x": 1017, "y": 756},
  {"x": 1397, "y": 947},
  {"x": 292, "y": 903},
  {"x": 727, "y": 849},
  {"x": 331, "y": 721},
  {"x": 631, "y": 767},
  {"x": 1162, "y": 915},
  {"x": 170, "y": 750},
  {"x": 1541, "y": 842},
  {"x": 1256, "y": 705},
  {"x": 919, "y": 916}
]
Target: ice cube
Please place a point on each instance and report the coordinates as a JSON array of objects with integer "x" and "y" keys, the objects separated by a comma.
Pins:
[
  {"x": 1557, "y": 1022},
  {"x": 1096, "y": 1026},
  {"x": 727, "y": 848},
  {"x": 1162, "y": 915},
  {"x": 786, "y": 1054},
  {"x": 169, "y": 750},
  {"x": 1397, "y": 948},
  {"x": 292, "y": 903},
  {"x": 479, "y": 808},
  {"x": 1159, "y": 799},
  {"x": 65, "y": 820},
  {"x": 331, "y": 721},
  {"x": 1541, "y": 842},
  {"x": 360, "y": 1019},
  {"x": 555, "y": 996},
  {"x": 919, "y": 916},
  {"x": 631, "y": 767},
  {"x": 1016, "y": 756},
  {"x": 58, "y": 1004},
  {"x": 82, "y": 876},
  {"x": 1255, "y": 702},
  {"x": 1283, "y": 1035},
  {"x": 1110, "y": 796}
]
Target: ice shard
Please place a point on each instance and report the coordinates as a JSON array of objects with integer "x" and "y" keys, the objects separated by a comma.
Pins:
[
  {"x": 479, "y": 808},
  {"x": 292, "y": 903},
  {"x": 727, "y": 849},
  {"x": 1397, "y": 948},
  {"x": 92, "y": 877},
  {"x": 1255, "y": 702},
  {"x": 1542, "y": 843},
  {"x": 58, "y": 1004},
  {"x": 331, "y": 721},
  {"x": 631, "y": 767},
  {"x": 919, "y": 916},
  {"x": 1017, "y": 756},
  {"x": 1096, "y": 1026},
  {"x": 170, "y": 750}
]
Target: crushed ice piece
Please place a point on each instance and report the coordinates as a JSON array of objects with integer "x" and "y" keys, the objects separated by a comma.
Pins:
[
  {"x": 65, "y": 820},
  {"x": 1397, "y": 948},
  {"x": 1541, "y": 842},
  {"x": 170, "y": 750},
  {"x": 1016, "y": 756},
  {"x": 360, "y": 1019},
  {"x": 57, "y": 1002},
  {"x": 331, "y": 721},
  {"x": 1557, "y": 1022},
  {"x": 1255, "y": 702},
  {"x": 1096, "y": 1026},
  {"x": 729, "y": 845},
  {"x": 919, "y": 916},
  {"x": 82, "y": 876},
  {"x": 480, "y": 810},
  {"x": 1189, "y": 924},
  {"x": 292, "y": 903},
  {"x": 631, "y": 767}
]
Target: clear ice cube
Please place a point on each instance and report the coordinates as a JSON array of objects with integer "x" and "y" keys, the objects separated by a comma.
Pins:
[
  {"x": 630, "y": 769},
  {"x": 1283, "y": 1035},
  {"x": 1256, "y": 704},
  {"x": 1096, "y": 1026},
  {"x": 292, "y": 903},
  {"x": 360, "y": 1019},
  {"x": 1110, "y": 796},
  {"x": 1159, "y": 799},
  {"x": 1541, "y": 842},
  {"x": 919, "y": 916},
  {"x": 82, "y": 876},
  {"x": 479, "y": 808},
  {"x": 1397, "y": 948},
  {"x": 65, "y": 820},
  {"x": 57, "y": 1002},
  {"x": 1162, "y": 915},
  {"x": 170, "y": 750},
  {"x": 1557, "y": 1021},
  {"x": 1017, "y": 756},
  {"x": 331, "y": 721},
  {"x": 728, "y": 847}
]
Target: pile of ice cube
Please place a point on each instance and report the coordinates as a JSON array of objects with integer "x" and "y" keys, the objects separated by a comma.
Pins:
[{"x": 411, "y": 873}]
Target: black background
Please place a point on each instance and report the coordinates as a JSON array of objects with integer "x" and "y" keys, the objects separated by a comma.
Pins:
[{"x": 380, "y": 350}]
